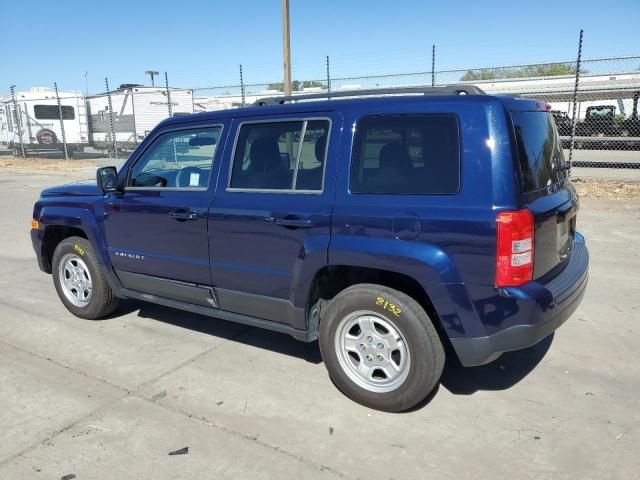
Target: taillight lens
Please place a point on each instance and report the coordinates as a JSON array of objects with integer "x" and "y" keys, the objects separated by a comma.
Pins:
[
  {"x": 514, "y": 260},
  {"x": 543, "y": 106}
]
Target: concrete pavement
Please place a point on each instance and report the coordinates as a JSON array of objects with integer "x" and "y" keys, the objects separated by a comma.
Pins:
[{"x": 111, "y": 398}]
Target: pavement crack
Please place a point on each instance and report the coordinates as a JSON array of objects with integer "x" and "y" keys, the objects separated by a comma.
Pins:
[
  {"x": 67, "y": 367},
  {"x": 190, "y": 360},
  {"x": 252, "y": 438},
  {"x": 60, "y": 431}
]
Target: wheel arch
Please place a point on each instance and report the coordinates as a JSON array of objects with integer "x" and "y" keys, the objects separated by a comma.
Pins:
[
  {"x": 60, "y": 222},
  {"x": 53, "y": 235},
  {"x": 333, "y": 279}
]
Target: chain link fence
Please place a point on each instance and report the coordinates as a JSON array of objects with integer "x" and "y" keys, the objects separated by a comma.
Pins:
[{"x": 601, "y": 109}]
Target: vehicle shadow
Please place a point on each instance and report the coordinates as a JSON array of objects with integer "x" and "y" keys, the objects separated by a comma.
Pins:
[
  {"x": 501, "y": 374},
  {"x": 255, "y": 337}
]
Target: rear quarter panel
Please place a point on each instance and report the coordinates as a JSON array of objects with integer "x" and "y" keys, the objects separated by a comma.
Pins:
[{"x": 455, "y": 240}]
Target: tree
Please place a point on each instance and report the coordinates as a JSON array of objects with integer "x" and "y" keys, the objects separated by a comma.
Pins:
[
  {"x": 547, "y": 70},
  {"x": 482, "y": 74}
]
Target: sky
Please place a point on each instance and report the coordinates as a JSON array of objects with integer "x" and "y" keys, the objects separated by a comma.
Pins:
[{"x": 201, "y": 43}]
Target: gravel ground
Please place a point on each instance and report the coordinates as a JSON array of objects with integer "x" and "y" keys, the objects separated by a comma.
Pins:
[{"x": 607, "y": 189}]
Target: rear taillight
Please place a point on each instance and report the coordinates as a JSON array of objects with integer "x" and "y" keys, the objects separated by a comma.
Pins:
[
  {"x": 514, "y": 260},
  {"x": 543, "y": 106}
]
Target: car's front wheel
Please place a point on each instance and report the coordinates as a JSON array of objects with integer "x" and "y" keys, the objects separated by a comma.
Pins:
[
  {"x": 380, "y": 347},
  {"x": 80, "y": 280}
]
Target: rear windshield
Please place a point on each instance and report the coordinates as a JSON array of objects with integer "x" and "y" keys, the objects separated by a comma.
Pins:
[{"x": 539, "y": 150}]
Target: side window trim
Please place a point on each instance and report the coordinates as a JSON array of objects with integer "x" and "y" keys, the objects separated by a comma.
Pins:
[
  {"x": 298, "y": 154},
  {"x": 173, "y": 189},
  {"x": 305, "y": 120}
]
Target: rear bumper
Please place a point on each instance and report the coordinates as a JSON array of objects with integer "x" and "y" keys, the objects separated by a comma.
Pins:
[{"x": 543, "y": 308}]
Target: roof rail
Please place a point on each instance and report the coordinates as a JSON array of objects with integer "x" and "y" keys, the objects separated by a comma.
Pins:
[{"x": 454, "y": 89}]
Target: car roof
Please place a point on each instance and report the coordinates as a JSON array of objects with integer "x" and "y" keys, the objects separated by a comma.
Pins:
[{"x": 509, "y": 102}]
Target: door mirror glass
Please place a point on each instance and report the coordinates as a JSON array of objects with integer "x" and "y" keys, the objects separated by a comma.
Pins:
[{"x": 107, "y": 178}]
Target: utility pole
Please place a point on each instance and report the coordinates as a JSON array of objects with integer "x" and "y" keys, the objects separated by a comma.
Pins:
[
  {"x": 286, "y": 47},
  {"x": 86, "y": 84},
  {"x": 152, "y": 74}
]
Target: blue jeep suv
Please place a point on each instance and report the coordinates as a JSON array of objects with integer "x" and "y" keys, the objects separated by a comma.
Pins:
[{"x": 385, "y": 224}]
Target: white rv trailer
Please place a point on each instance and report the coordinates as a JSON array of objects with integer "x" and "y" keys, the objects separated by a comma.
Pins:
[
  {"x": 595, "y": 90},
  {"x": 136, "y": 110},
  {"x": 38, "y": 117}
]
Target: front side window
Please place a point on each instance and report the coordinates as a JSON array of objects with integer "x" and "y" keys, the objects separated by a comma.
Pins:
[
  {"x": 280, "y": 156},
  {"x": 406, "y": 154},
  {"x": 180, "y": 159},
  {"x": 51, "y": 112}
]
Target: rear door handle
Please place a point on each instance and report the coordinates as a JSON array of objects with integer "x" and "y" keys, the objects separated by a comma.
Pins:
[{"x": 182, "y": 215}]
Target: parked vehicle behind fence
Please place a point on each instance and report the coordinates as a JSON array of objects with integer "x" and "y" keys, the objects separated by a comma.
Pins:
[
  {"x": 396, "y": 227},
  {"x": 38, "y": 117}
]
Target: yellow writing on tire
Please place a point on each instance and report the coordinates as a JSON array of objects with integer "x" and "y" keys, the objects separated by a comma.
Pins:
[{"x": 381, "y": 302}]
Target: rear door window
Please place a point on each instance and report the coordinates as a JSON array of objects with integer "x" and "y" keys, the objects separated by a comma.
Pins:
[
  {"x": 280, "y": 156},
  {"x": 539, "y": 150},
  {"x": 406, "y": 154}
]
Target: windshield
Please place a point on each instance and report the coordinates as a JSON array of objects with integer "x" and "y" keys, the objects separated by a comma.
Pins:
[
  {"x": 600, "y": 112},
  {"x": 539, "y": 150}
]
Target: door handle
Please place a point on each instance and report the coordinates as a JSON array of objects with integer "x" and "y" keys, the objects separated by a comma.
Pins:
[
  {"x": 182, "y": 215},
  {"x": 293, "y": 222}
]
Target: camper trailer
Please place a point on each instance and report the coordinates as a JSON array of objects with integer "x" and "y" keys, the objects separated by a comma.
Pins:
[
  {"x": 136, "y": 110},
  {"x": 38, "y": 119}
]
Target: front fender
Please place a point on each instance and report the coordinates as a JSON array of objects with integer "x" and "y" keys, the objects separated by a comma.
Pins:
[{"x": 86, "y": 218}]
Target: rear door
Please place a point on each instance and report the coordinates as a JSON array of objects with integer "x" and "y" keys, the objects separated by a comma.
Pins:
[
  {"x": 548, "y": 191},
  {"x": 269, "y": 226}
]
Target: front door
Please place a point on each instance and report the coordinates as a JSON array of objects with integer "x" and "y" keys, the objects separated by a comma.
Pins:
[
  {"x": 156, "y": 230},
  {"x": 269, "y": 226}
]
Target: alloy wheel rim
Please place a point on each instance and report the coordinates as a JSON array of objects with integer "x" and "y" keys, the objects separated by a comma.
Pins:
[
  {"x": 75, "y": 280},
  {"x": 372, "y": 351}
]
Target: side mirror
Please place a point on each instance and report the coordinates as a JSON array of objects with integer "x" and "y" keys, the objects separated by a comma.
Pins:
[{"x": 107, "y": 178}]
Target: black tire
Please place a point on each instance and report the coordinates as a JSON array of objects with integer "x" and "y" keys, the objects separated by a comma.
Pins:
[
  {"x": 46, "y": 136},
  {"x": 103, "y": 301},
  {"x": 425, "y": 349}
]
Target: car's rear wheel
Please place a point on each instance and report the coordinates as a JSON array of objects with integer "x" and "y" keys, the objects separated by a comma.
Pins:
[
  {"x": 380, "y": 347},
  {"x": 80, "y": 280}
]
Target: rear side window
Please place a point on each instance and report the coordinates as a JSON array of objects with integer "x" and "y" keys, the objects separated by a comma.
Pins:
[
  {"x": 50, "y": 112},
  {"x": 539, "y": 150},
  {"x": 280, "y": 156},
  {"x": 406, "y": 154}
]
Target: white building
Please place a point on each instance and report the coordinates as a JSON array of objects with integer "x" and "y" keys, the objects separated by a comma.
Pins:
[{"x": 136, "y": 111}]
